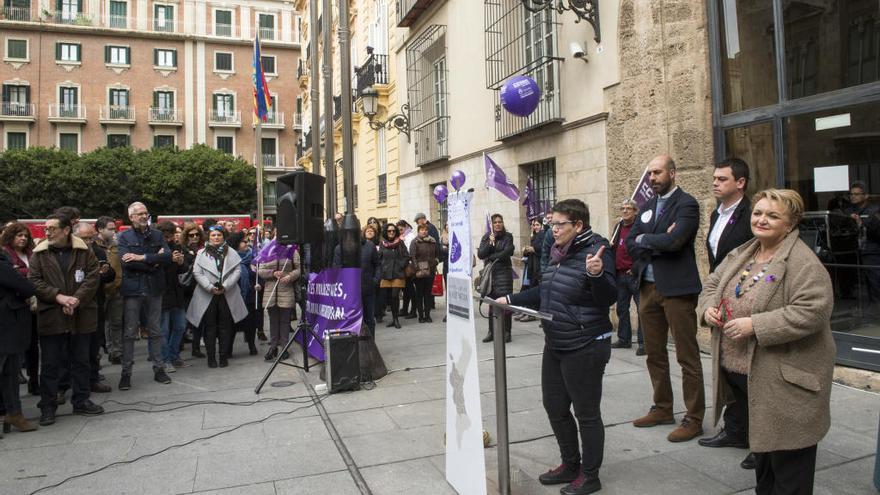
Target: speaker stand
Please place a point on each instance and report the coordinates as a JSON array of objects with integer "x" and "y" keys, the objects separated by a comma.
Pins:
[{"x": 307, "y": 330}]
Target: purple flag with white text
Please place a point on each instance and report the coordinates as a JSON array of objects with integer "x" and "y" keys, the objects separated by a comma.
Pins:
[
  {"x": 496, "y": 179},
  {"x": 643, "y": 192},
  {"x": 530, "y": 200},
  {"x": 333, "y": 303}
]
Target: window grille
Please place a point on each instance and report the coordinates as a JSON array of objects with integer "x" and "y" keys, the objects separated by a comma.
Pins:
[
  {"x": 441, "y": 212},
  {"x": 543, "y": 174},
  {"x": 426, "y": 71},
  {"x": 522, "y": 42}
]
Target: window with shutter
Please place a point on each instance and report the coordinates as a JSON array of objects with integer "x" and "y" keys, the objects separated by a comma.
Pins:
[
  {"x": 223, "y": 61},
  {"x": 118, "y": 55},
  {"x": 223, "y": 23},
  {"x": 163, "y": 18},
  {"x": 68, "y": 141},
  {"x": 118, "y": 14},
  {"x": 16, "y": 140},
  {"x": 17, "y": 49},
  {"x": 268, "y": 63}
]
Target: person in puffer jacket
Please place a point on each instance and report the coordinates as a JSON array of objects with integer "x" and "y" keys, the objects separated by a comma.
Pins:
[{"x": 578, "y": 288}]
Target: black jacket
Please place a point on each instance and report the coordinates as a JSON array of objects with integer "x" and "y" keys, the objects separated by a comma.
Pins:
[
  {"x": 533, "y": 261},
  {"x": 370, "y": 266},
  {"x": 502, "y": 270},
  {"x": 671, "y": 253},
  {"x": 15, "y": 313},
  {"x": 143, "y": 278},
  {"x": 174, "y": 295},
  {"x": 578, "y": 302},
  {"x": 393, "y": 261},
  {"x": 737, "y": 231}
]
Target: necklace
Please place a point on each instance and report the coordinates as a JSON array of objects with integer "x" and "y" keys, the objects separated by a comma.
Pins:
[{"x": 740, "y": 289}]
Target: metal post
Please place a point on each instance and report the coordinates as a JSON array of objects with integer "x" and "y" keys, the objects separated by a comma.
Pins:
[
  {"x": 327, "y": 71},
  {"x": 345, "y": 82},
  {"x": 314, "y": 94},
  {"x": 501, "y": 402},
  {"x": 258, "y": 137}
]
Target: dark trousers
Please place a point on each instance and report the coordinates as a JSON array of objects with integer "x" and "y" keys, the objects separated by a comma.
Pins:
[
  {"x": 218, "y": 326},
  {"x": 379, "y": 308},
  {"x": 10, "y": 367},
  {"x": 95, "y": 342},
  {"x": 569, "y": 380},
  {"x": 627, "y": 290},
  {"x": 246, "y": 327},
  {"x": 197, "y": 336},
  {"x": 60, "y": 353},
  {"x": 409, "y": 292},
  {"x": 872, "y": 279},
  {"x": 368, "y": 301},
  {"x": 422, "y": 297},
  {"x": 676, "y": 315},
  {"x": 32, "y": 354},
  {"x": 785, "y": 472},
  {"x": 736, "y": 414},
  {"x": 391, "y": 297}
]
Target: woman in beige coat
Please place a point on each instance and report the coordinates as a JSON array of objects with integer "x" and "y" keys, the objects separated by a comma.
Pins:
[
  {"x": 279, "y": 297},
  {"x": 769, "y": 305}
]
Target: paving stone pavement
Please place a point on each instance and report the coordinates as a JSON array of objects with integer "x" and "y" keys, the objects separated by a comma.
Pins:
[{"x": 204, "y": 433}]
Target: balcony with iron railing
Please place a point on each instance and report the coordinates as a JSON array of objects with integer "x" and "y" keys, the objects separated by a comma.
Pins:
[
  {"x": 117, "y": 114},
  {"x": 271, "y": 160},
  {"x": 301, "y": 70},
  {"x": 165, "y": 116},
  {"x": 14, "y": 111},
  {"x": 63, "y": 112},
  {"x": 16, "y": 14},
  {"x": 297, "y": 121},
  {"x": 224, "y": 30},
  {"x": 274, "y": 120},
  {"x": 267, "y": 33},
  {"x": 410, "y": 10},
  {"x": 224, "y": 118},
  {"x": 373, "y": 71},
  {"x": 432, "y": 141},
  {"x": 163, "y": 25},
  {"x": 337, "y": 108},
  {"x": 68, "y": 17}
]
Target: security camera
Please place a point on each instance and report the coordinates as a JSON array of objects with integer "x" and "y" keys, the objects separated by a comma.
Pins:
[{"x": 577, "y": 51}]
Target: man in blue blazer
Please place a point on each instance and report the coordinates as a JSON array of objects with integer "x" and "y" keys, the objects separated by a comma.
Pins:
[{"x": 661, "y": 244}]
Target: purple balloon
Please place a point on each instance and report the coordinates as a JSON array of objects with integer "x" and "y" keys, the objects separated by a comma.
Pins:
[
  {"x": 458, "y": 179},
  {"x": 520, "y": 95},
  {"x": 440, "y": 193}
]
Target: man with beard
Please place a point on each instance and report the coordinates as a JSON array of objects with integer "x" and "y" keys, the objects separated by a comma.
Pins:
[{"x": 661, "y": 244}]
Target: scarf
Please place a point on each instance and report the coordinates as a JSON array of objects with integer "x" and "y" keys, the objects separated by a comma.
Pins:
[
  {"x": 558, "y": 252},
  {"x": 391, "y": 245},
  {"x": 218, "y": 253}
]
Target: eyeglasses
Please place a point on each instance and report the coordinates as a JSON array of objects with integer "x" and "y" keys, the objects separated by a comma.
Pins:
[
  {"x": 556, "y": 225},
  {"x": 391, "y": 231},
  {"x": 193, "y": 234},
  {"x": 50, "y": 230}
]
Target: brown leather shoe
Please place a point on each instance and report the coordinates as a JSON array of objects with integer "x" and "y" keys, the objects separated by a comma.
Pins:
[
  {"x": 19, "y": 422},
  {"x": 689, "y": 428},
  {"x": 655, "y": 417}
]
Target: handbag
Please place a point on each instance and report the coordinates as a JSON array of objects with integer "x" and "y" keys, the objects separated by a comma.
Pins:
[
  {"x": 186, "y": 279},
  {"x": 409, "y": 270},
  {"x": 437, "y": 286},
  {"x": 483, "y": 282},
  {"x": 423, "y": 270}
]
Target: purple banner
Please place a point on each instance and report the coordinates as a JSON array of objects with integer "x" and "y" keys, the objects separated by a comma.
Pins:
[
  {"x": 497, "y": 179},
  {"x": 530, "y": 200},
  {"x": 643, "y": 192},
  {"x": 333, "y": 303}
]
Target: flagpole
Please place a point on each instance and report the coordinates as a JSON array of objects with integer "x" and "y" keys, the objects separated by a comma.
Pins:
[
  {"x": 327, "y": 72},
  {"x": 258, "y": 137}
]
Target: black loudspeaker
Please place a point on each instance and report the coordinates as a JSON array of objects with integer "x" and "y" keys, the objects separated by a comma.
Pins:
[
  {"x": 300, "y": 208},
  {"x": 342, "y": 362}
]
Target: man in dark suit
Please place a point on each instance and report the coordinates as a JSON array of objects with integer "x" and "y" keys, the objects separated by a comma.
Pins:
[
  {"x": 729, "y": 228},
  {"x": 661, "y": 243}
]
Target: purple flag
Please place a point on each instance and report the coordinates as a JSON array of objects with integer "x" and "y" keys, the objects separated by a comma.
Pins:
[
  {"x": 488, "y": 224},
  {"x": 496, "y": 179},
  {"x": 272, "y": 251},
  {"x": 545, "y": 207},
  {"x": 530, "y": 200},
  {"x": 333, "y": 303},
  {"x": 643, "y": 192}
]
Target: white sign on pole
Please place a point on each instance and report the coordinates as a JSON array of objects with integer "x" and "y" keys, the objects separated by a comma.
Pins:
[{"x": 465, "y": 462}]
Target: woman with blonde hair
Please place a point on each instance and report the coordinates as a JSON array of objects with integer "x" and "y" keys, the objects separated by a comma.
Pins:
[{"x": 769, "y": 305}]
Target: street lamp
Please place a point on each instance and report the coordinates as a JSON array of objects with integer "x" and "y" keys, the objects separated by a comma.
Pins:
[
  {"x": 586, "y": 10},
  {"x": 399, "y": 121}
]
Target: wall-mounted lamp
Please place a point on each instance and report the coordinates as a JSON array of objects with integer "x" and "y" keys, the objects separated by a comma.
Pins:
[
  {"x": 586, "y": 10},
  {"x": 399, "y": 121}
]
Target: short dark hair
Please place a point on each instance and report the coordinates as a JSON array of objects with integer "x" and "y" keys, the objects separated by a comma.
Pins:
[
  {"x": 235, "y": 239},
  {"x": 738, "y": 167},
  {"x": 167, "y": 227},
  {"x": 574, "y": 209},
  {"x": 208, "y": 222},
  {"x": 64, "y": 221},
  {"x": 103, "y": 221},
  {"x": 70, "y": 212},
  {"x": 861, "y": 185}
]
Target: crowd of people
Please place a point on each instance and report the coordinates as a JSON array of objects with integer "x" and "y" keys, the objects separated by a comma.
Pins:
[{"x": 87, "y": 288}]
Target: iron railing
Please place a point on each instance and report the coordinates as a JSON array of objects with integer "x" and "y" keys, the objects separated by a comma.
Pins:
[
  {"x": 297, "y": 120},
  {"x": 432, "y": 141},
  {"x": 410, "y": 10},
  {"x": 267, "y": 33},
  {"x": 223, "y": 116},
  {"x": 15, "y": 109},
  {"x": 164, "y": 114},
  {"x": 117, "y": 112},
  {"x": 382, "y": 188},
  {"x": 223, "y": 29},
  {"x": 272, "y": 160},
  {"x": 66, "y": 111},
  {"x": 373, "y": 71},
  {"x": 16, "y": 13},
  {"x": 67, "y": 17}
]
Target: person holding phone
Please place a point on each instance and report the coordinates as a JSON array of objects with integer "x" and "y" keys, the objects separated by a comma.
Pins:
[{"x": 217, "y": 301}]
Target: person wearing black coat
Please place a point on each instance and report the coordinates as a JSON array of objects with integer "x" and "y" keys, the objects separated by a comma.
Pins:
[
  {"x": 370, "y": 273},
  {"x": 496, "y": 247},
  {"x": 577, "y": 288},
  {"x": 87, "y": 233},
  {"x": 174, "y": 301},
  {"x": 393, "y": 259},
  {"x": 532, "y": 261},
  {"x": 15, "y": 337}
]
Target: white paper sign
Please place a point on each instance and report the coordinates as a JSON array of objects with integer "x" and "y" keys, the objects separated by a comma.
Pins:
[
  {"x": 828, "y": 179},
  {"x": 465, "y": 461}
]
